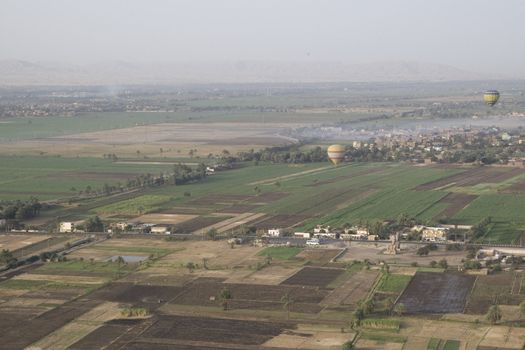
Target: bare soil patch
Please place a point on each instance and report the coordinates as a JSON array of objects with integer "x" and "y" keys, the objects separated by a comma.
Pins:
[
  {"x": 435, "y": 293},
  {"x": 318, "y": 257},
  {"x": 205, "y": 291},
  {"x": 149, "y": 296},
  {"x": 170, "y": 219},
  {"x": 455, "y": 203},
  {"x": 490, "y": 289},
  {"x": 313, "y": 276},
  {"x": 215, "y": 330},
  {"x": 198, "y": 223}
]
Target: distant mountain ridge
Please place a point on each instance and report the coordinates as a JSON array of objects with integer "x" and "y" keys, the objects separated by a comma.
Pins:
[{"x": 17, "y": 72}]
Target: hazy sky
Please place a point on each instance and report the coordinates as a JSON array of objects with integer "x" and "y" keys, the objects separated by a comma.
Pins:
[{"x": 477, "y": 35}]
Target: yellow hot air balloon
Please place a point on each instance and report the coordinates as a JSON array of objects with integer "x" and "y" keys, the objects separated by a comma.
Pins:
[
  {"x": 336, "y": 153},
  {"x": 491, "y": 97}
]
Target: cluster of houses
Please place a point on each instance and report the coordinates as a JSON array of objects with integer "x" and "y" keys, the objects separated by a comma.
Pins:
[
  {"x": 76, "y": 227},
  {"x": 362, "y": 233}
]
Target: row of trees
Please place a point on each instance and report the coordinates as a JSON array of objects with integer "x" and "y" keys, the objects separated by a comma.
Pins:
[{"x": 20, "y": 210}]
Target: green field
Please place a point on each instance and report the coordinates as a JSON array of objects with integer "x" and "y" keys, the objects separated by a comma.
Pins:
[
  {"x": 391, "y": 283},
  {"x": 56, "y": 177},
  {"x": 280, "y": 253},
  {"x": 319, "y": 193}
]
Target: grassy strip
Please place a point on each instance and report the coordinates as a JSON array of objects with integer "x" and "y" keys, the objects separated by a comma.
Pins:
[
  {"x": 451, "y": 345},
  {"x": 136, "y": 250},
  {"x": 34, "y": 285},
  {"x": 433, "y": 344},
  {"x": 383, "y": 338},
  {"x": 381, "y": 323}
]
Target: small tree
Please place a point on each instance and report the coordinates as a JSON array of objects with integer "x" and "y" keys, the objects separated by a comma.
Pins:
[
  {"x": 443, "y": 263},
  {"x": 433, "y": 263},
  {"x": 212, "y": 233},
  {"x": 358, "y": 315},
  {"x": 423, "y": 251},
  {"x": 225, "y": 296},
  {"x": 522, "y": 308},
  {"x": 400, "y": 309},
  {"x": 287, "y": 303},
  {"x": 494, "y": 314},
  {"x": 190, "y": 266},
  {"x": 388, "y": 304}
]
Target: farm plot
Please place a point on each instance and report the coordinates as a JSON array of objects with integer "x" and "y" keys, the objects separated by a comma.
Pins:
[
  {"x": 199, "y": 223},
  {"x": 490, "y": 289},
  {"x": 224, "y": 331},
  {"x": 232, "y": 223},
  {"x": 473, "y": 177},
  {"x": 169, "y": 219},
  {"x": 218, "y": 199},
  {"x": 14, "y": 242},
  {"x": 313, "y": 276},
  {"x": 518, "y": 187},
  {"x": 433, "y": 293},
  {"x": 318, "y": 257},
  {"x": 107, "y": 334},
  {"x": 280, "y": 220},
  {"x": 455, "y": 203},
  {"x": 353, "y": 290},
  {"x": 149, "y": 296},
  {"x": 267, "y": 197},
  {"x": 205, "y": 291}
]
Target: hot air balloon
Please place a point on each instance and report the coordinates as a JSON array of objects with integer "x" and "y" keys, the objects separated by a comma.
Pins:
[
  {"x": 491, "y": 97},
  {"x": 336, "y": 153}
]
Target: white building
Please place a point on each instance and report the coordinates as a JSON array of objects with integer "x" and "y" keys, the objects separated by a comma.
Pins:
[
  {"x": 434, "y": 234},
  {"x": 160, "y": 229},
  {"x": 302, "y": 234},
  {"x": 66, "y": 227},
  {"x": 275, "y": 232}
]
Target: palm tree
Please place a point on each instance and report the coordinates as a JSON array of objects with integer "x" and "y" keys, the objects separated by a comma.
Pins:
[{"x": 287, "y": 301}]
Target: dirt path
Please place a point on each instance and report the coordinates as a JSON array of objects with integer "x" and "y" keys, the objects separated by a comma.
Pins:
[
  {"x": 291, "y": 176},
  {"x": 231, "y": 223}
]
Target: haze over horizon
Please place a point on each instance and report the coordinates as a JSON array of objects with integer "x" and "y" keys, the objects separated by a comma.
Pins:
[{"x": 473, "y": 36}]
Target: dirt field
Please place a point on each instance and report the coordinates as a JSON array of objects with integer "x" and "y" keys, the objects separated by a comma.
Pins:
[
  {"x": 174, "y": 138},
  {"x": 14, "y": 242},
  {"x": 313, "y": 276},
  {"x": 204, "y": 292},
  {"x": 318, "y": 257},
  {"x": 199, "y": 223},
  {"x": 353, "y": 290},
  {"x": 169, "y": 219},
  {"x": 455, "y": 203},
  {"x": 433, "y": 293},
  {"x": 473, "y": 176},
  {"x": 491, "y": 288},
  {"x": 232, "y": 223},
  {"x": 185, "y": 328}
]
